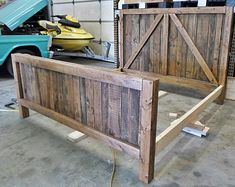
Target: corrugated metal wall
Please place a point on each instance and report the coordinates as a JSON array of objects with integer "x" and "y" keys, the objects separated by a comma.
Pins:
[{"x": 95, "y": 17}]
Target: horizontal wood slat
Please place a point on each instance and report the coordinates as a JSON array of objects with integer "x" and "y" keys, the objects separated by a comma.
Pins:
[
  {"x": 105, "y": 75},
  {"x": 186, "y": 10},
  {"x": 177, "y": 81},
  {"x": 117, "y": 144}
]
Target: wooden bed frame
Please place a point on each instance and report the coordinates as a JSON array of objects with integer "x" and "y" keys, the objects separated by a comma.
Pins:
[
  {"x": 184, "y": 47},
  {"x": 133, "y": 95},
  {"x": 117, "y": 108}
]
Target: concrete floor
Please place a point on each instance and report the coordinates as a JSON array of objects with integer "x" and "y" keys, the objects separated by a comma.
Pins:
[{"x": 35, "y": 152}]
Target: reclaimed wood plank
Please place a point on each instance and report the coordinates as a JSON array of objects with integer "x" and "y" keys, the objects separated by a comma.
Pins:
[
  {"x": 124, "y": 114},
  {"x": 202, "y": 40},
  {"x": 148, "y": 130},
  {"x": 184, "y": 49},
  {"x": 83, "y": 100},
  {"x": 165, "y": 38},
  {"x": 183, "y": 10},
  {"x": 135, "y": 40},
  {"x": 114, "y": 110},
  {"x": 194, "y": 49},
  {"x": 218, "y": 32},
  {"x": 23, "y": 111},
  {"x": 133, "y": 111},
  {"x": 105, "y": 106},
  {"x": 143, "y": 41},
  {"x": 179, "y": 51},
  {"x": 191, "y": 70},
  {"x": 117, "y": 144},
  {"x": 144, "y": 56},
  {"x": 89, "y": 86},
  {"x": 172, "y": 49},
  {"x": 77, "y": 99},
  {"x": 92, "y": 73},
  {"x": 179, "y": 81},
  {"x": 97, "y": 106}
]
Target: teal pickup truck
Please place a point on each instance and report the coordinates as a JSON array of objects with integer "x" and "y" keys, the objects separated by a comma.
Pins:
[{"x": 19, "y": 31}]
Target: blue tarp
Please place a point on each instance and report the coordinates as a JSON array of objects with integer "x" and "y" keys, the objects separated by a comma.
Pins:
[{"x": 18, "y": 11}]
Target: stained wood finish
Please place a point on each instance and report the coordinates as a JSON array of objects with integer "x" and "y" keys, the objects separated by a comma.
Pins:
[
  {"x": 23, "y": 111},
  {"x": 80, "y": 99},
  {"x": 116, "y": 107},
  {"x": 186, "y": 10},
  {"x": 187, "y": 43},
  {"x": 143, "y": 41},
  {"x": 148, "y": 130}
]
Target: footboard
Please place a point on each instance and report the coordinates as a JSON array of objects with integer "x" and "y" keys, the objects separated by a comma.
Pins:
[{"x": 115, "y": 107}]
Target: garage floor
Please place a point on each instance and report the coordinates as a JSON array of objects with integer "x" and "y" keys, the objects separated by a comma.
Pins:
[{"x": 35, "y": 152}]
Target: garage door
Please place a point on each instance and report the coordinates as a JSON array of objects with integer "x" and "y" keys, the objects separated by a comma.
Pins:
[{"x": 95, "y": 17}]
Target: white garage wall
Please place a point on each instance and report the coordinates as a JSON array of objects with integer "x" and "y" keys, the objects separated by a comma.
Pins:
[{"x": 89, "y": 13}]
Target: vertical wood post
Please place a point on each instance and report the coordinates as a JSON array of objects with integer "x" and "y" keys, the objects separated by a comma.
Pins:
[
  {"x": 23, "y": 111},
  {"x": 149, "y": 100},
  {"x": 225, "y": 52},
  {"x": 165, "y": 43}
]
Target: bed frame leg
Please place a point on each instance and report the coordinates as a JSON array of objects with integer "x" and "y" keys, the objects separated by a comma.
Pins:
[
  {"x": 148, "y": 130},
  {"x": 23, "y": 111}
]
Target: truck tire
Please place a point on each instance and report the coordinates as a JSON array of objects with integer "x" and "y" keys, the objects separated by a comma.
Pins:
[{"x": 9, "y": 61}]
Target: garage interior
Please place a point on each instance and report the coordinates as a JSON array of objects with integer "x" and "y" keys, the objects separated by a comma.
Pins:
[{"x": 37, "y": 151}]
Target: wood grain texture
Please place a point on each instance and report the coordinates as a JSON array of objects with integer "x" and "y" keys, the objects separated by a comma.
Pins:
[
  {"x": 189, "y": 45},
  {"x": 185, "y": 10},
  {"x": 117, "y": 144},
  {"x": 227, "y": 34},
  {"x": 104, "y": 74},
  {"x": 148, "y": 130},
  {"x": 194, "y": 49},
  {"x": 117, "y": 113},
  {"x": 143, "y": 41},
  {"x": 94, "y": 103},
  {"x": 23, "y": 111}
]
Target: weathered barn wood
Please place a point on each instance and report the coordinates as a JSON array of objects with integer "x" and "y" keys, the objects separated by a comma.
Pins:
[
  {"x": 117, "y": 108},
  {"x": 188, "y": 44}
]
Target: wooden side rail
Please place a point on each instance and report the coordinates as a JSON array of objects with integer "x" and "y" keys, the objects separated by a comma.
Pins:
[
  {"x": 117, "y": 108},
  {"x": 163, "y": 139}
]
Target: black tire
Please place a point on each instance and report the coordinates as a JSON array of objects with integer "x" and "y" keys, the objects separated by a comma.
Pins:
[{"x": 9, "y": 62}]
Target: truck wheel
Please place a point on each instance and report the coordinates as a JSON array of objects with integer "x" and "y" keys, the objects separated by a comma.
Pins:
[{"x": 9, "y": 62}]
